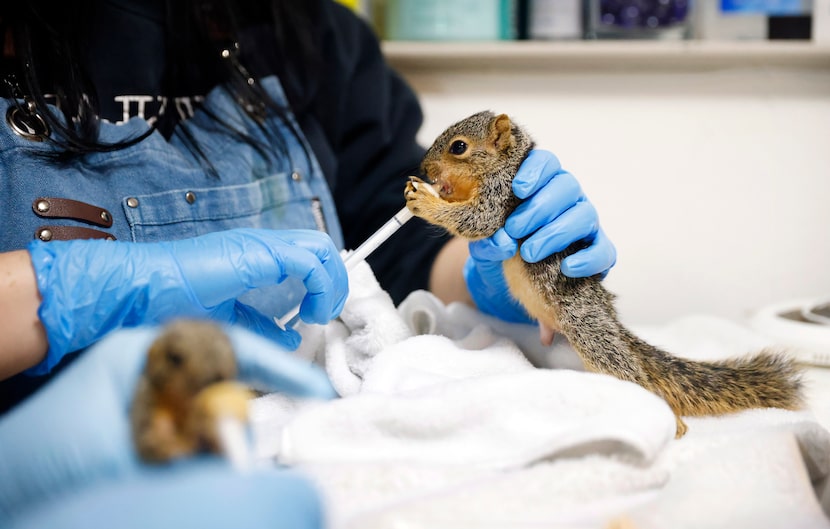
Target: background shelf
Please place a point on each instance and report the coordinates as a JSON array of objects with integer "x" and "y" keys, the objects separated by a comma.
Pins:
[{"x": 592, "y": 55}]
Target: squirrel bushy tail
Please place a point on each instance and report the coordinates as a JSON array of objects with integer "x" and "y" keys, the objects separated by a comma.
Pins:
[
  {"x": 764, "y": 380},
  {"x": 691, "y": 388}
]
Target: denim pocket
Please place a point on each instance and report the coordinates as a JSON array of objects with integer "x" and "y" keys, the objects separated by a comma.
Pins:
[{"x": 272, "y": 203}]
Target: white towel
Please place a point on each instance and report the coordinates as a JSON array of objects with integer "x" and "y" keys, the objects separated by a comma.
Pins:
[
  {"x": 460, "y": 394},
  {"x": 754, "y": 481},
  {"x": 368, "y": 324},
  {"x": 567, "y": 492},
  {"x": 490, "y": 421},
  {"x": 445, "y": 422},
  {"x": 751, "y": 478}
]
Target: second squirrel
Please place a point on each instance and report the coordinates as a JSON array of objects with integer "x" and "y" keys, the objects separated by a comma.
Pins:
[
  {"x": 186, "y": 389},
  {"x": 472, "y": 165}
]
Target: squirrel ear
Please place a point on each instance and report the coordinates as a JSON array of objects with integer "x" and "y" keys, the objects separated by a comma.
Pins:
[{"x": 500, "y": 132}]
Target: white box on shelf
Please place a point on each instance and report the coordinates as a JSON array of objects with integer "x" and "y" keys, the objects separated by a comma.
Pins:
[
  {"x": 555, "y": 19},
  {"x": 711, "y": 23}
]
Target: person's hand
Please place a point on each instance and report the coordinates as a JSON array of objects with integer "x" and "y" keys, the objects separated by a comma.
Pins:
[
  {"x": 76, "y": 431},
  {"x": 204, "y": 495},
  {"x": 92, "y": 287},
  {"x": 553, "y": 215}
]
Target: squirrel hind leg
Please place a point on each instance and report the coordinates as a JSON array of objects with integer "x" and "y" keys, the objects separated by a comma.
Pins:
[{"x": 546, "y": 334}]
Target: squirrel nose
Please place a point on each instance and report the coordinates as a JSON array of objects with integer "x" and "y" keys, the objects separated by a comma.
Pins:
[{"x": 424, "y": 173}]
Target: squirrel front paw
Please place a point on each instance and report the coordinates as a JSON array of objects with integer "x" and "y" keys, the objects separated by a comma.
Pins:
[{"x": 420, "y": 196}]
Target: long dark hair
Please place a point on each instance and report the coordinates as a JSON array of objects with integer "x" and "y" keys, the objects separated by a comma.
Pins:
[{"x": 49, "y": 38}]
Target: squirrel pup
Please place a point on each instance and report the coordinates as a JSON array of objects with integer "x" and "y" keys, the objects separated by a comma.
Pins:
[
  {"x": 472, "y": 165},
  {"x": 185, "y": 389}
]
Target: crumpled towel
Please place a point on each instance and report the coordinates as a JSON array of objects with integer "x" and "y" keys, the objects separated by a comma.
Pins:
[
  {"x": 502, "y": 421},
  {"x": 460, "y": 394},
  {"x": 445, "y": 422}
]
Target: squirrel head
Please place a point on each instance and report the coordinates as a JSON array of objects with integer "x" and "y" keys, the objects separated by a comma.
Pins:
[
  {"x": 187, "y": 356},
  {"x": 482, "y": 146}
]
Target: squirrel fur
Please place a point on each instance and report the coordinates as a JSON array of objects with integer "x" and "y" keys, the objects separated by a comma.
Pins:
[
  {"x": 187, "y": 385},
  {"x": 472, "y": 165}
]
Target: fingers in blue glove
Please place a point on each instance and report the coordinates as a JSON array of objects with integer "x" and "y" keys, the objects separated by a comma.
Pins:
[
  {"x": 535, "y": 172},
  {"x": 577, "y": 223},
  {"x": 488, "y": 288},
  {"x": 484, "y": 276},
  {"x": 252, "y": 319},
  {"x": 321, "y": 245},
  {"x": 265, "y": 366},
  {"x": 324, "y": 277},
  {"x": 561, "y": 193},
  {"x": 497, "y": 247},
  {"x": 597, "y": 258}
]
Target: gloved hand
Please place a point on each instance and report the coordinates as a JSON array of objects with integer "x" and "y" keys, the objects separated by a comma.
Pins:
[
  {"x": 204, "y": 495},
  {"x": 553, "y": 215},
  {"x": 92, "y": 287},
  {"x": 75, "y": 431}
]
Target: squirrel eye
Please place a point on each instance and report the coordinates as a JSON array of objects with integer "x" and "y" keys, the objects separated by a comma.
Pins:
[
  {"x": 458, "y": 147},
  {"x": 174, "y": 358}
]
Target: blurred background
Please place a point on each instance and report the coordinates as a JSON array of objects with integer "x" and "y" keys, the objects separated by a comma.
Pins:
[{"x": 700, "y": 130}]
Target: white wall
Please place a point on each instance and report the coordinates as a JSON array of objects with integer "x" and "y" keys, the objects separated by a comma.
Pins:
[{"x": 714, "y": 184}]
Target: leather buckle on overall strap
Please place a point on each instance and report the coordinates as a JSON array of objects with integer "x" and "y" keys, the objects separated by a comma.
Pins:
[
  {"x": 64, "y": 208},
  {"x": 66, "y": 233}
]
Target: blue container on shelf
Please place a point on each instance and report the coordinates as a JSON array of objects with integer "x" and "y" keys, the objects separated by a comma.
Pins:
[
  {"x": 639, "y": 19},
  {"x": 446, "y": 20},
  {"x": 769, "y": 7}
]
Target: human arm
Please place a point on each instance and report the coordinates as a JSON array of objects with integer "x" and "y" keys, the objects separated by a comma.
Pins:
[
  {"x": 446, "y": 278},
  {"x": 75, "y": 431},
  {"x": 24, "y": 344},
  {"x": 90, "y": 287}
]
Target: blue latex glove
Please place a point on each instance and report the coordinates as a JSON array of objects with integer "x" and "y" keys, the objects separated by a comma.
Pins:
[
  {"x": 553, "y": 215},
  {"x": 75, "y": 431},
  {"x": 207, "y": 495},
  {"x": 92, "y": 287}
]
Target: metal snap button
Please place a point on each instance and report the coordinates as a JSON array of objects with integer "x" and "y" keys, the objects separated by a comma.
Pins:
[
  {"x": 132, "y": 202},
  {"x": 45, "y": 235},
  {"x": 27, "y": 123},
  {"x": 42, "y": 206},
  {"x": 190, "y": 196},
  {"x": 296, "y": 176},
  {"x": 105, "y": 216}
]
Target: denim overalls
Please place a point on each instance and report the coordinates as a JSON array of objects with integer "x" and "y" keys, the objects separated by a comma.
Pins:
[{"x": 158, "y": 190}]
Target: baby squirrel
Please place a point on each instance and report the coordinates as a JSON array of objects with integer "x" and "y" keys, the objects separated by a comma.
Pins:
[
  {"x": 186, "y": 387},
  {"x": 472, "y": 165}
]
